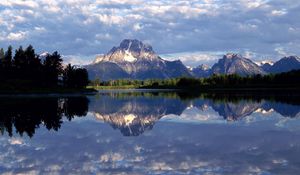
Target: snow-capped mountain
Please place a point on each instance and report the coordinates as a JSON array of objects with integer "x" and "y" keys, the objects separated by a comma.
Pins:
[
  {"x": 201, "y": 71},
  {"x": 285, "y": 64},
  {"x": 261, "y": 63},
  {"x": 136, "y": 60},
  {"x": 43, "y": 56},
  {"x": 133, "y": 59},
  {"x": 236, "y": 64},
  {"x": 129, "y": 51}
]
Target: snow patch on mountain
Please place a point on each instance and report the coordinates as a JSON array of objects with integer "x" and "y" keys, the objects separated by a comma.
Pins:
[{"x": 129, "y": 57}]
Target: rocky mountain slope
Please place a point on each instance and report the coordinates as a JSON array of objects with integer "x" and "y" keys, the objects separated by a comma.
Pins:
[
  {"x": 285, "y": 64},
  {"x": 236, "y": 64},
  {"x": 136, "y": 60},
  {"x": 201, "y": 71}
]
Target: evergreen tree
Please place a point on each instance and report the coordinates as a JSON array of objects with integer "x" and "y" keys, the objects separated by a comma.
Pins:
[
  {"x": 54, "y": 62},
  {"x": 2, "y": 53},
  {"x": 7, "y": 59},
  {"x": 81, "y": 78},
  {"x": 53, "y": 68},
  {"x": 19, "y": 58},
  {"x": 31, "y": 59},
  {"x": 68, "y": 75},
  {"x": 75, "y": 77}
]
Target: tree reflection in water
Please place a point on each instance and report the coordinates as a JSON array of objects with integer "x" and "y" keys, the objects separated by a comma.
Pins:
[{"x": 27, "y": 114}]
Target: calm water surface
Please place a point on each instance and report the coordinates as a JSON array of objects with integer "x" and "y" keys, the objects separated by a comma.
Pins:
[{"x": 149, "y": 132}]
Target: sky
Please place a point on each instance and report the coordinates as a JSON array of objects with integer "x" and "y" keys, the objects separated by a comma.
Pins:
[{"x": 195, "y": 31}]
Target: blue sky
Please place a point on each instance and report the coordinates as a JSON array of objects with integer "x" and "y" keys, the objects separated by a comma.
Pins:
[{"x": 195, "y": 31}]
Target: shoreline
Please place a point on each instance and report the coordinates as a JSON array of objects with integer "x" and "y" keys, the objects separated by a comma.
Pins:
[{"x": 48, "y": 92}]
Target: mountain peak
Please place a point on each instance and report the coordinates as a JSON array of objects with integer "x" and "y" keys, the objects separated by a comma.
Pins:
[
  {"x": 136, "y": 60},
  {"x": 232, "y": 55},
  {"x": 129, "y": 50},
  {"x": 203, "y": 67},
  {"x": 286, "y": 64},
  {"x": 292, "y": 58},
  {"x": 236, "y": 64},
  {"x": 134, "y": 44}
]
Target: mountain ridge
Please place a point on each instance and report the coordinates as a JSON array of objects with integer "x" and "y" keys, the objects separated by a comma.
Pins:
[{"x": 133, "y": 59}]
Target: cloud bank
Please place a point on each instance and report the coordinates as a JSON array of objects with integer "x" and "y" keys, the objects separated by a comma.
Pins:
[{"x": 84, "y": 28}]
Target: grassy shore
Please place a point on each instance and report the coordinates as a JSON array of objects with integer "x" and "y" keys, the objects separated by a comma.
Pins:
[{"x": 114, "y": 87}]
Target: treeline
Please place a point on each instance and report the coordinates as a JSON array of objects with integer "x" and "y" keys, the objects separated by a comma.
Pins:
[
  {"x": 25, "y": 115},
  {"x": 25, "y": 69},
  {"x": 283, "y": 80},
  {"x": 134, "y": 83}
]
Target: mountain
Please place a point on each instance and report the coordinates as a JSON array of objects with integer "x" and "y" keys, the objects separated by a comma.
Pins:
[
  {"x": 136, "y": 60},
  {"x": 236, "y": 64},
  {"x": 285, "y": 64},
  {"x": 133, "y": 59},
  {"x": 201, "y": 71},
  {"x": 266, "y": 67}
]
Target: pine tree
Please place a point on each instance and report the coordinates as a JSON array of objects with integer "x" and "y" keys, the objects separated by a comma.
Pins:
[
  {"x": 53, "y": 68},
  {"x": 19, "y": 57},
  {"x": 7, "y": 59},
  {"x": 2, "y": 54}
]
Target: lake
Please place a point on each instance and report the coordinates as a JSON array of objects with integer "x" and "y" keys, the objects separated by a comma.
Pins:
[{"x": 150, "y": 132}]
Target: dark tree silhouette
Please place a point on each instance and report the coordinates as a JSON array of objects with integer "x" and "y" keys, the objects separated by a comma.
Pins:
[
  {"x": 25, "y": 70},
  {"x": 1, "y": 53},
  {"x": 25, "y": 115},
  {"x": 7, "y": 59},
  {"x": 75, "y": 77},
  {"x": 19, "y": 57},
  {"x": 53, "y": 68}
]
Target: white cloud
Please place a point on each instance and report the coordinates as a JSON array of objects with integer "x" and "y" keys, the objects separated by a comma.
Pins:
[
  {"x": 17, "y": 36},
  {"x": 105, "y": 36},
  {"x": 278, "y": 12},
  {"x": 110, "y": 19},
  {"x": 195, "y": 58},
  {"x": 22, "y": 3},
  {"x": 254, "y": 3},
  {"x": 281, "y": 51},
  {"x": 258, "y": 26},
  {"x": 137, "y": 27},
  {"x": 40, "y": 29}
]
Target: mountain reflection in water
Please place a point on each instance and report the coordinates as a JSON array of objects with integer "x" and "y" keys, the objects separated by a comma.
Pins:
[
  {"x": 170, "y": 133},
  {"x": 133, "y": 113}
]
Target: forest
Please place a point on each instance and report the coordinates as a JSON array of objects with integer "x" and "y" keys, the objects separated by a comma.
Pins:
[
  {"x": 23, "y": 69},
  {"x": 286, "y": 80}
]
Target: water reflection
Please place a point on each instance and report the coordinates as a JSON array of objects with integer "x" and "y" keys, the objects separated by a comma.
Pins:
[
  {"x": 175, "y": 133},
  {"x": 135, "y": 112},
  {"x": 27, "y": 114}
]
